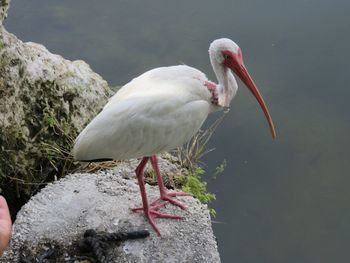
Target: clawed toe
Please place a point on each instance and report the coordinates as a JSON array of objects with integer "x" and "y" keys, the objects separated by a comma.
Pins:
[
  {"x": 174, "y": 194},
  {"x": 151, "y": 214},
  {"x": 154, "y": 206},
  {"x": 168, "y": 197}
]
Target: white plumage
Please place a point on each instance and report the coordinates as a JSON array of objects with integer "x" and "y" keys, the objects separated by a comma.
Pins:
[{"x": 155, "y": 112}]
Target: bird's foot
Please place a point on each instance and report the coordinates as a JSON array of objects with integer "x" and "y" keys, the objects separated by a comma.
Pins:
[
  {"x": 151, "y": 214},
  {"x": 168, "y": 197}
]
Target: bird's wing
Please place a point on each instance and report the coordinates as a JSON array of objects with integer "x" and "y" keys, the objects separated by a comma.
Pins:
[
  {"x": 180, "y": 80},
  {"x": 141, "y": 126}
]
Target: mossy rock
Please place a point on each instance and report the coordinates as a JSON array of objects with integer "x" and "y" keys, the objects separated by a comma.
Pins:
[{"x": 45, "y": 101}]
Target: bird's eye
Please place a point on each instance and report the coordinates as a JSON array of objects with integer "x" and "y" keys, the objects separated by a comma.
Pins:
[{"x": 226, "y": 56}]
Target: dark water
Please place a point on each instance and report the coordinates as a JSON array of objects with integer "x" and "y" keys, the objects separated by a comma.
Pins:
[{"x": 278, "y": 201}]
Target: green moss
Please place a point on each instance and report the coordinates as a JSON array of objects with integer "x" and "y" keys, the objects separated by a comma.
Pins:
[
  {"x": 4, "y": 60},
  {"x": 2, "y": 45},
  {"x": 29, "y": 160}
]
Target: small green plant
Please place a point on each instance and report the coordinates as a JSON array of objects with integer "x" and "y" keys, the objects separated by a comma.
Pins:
[
  {"x": 192, "y": 183},
  {"x": 197, "y": 187},
  {"x": 220, "y": 168}
]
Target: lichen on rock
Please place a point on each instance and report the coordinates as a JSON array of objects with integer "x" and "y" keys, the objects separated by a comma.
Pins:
[{"x": 4, "y": 4}]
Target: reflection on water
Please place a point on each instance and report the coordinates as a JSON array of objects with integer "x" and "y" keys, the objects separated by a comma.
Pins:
[{"x": 278, "y": 201}]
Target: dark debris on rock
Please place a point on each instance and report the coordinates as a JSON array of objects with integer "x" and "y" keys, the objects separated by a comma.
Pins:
[{"x": 94, "y": 247}]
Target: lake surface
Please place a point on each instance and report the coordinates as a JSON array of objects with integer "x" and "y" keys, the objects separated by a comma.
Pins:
[{"x": 284, "y": 200}]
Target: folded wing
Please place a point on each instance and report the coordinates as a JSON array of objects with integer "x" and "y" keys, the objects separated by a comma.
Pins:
[{"x": 141, "y": 126}]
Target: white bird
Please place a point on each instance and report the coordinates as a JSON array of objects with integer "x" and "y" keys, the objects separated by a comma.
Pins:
[{"x": 161, "y": 110}]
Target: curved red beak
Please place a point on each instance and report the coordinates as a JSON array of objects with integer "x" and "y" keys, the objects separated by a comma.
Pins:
[{"x": 237, "y": 66}]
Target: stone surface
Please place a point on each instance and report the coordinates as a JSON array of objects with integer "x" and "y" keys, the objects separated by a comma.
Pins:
[{"x": 63, "y": 210}]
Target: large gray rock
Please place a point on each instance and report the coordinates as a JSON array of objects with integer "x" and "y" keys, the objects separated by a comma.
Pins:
[{"x": 62, "y": 211}]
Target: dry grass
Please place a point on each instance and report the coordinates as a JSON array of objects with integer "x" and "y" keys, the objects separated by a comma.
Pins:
[
  {"x": 189, "y": 155},
  {"x": 98, "y": 166}
]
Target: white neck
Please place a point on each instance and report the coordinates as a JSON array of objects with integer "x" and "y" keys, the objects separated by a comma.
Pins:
[{"x": 227, "y": 84}]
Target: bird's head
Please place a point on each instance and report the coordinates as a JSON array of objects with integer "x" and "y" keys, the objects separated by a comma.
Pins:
[{"x": 227, "y": 55}]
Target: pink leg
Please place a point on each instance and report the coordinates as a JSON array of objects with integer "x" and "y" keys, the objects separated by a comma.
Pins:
[
  {"x": 164, "y": 194},
  {"x": 150, "y": 212}
]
